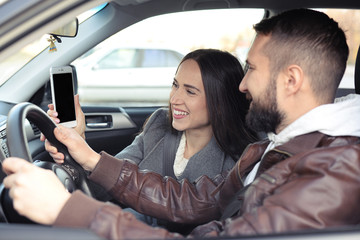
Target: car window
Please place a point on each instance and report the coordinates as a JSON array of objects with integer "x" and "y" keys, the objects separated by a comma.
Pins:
[
  {"x": 349, "y": 20},
  {"x": 159, "y": 58},
  {"x": 136, "y": 66},
  {"x": 118, "y": 58}
]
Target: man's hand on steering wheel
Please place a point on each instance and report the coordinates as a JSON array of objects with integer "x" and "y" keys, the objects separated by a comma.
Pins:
[
  {"x": 70, "y": 174},
  {"x": 36, "y": 193}
]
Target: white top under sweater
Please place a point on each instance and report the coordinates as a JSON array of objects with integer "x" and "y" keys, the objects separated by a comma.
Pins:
[{"x": 180, "y": 162}]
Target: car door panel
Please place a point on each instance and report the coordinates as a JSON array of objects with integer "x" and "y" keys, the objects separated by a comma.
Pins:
[{"x": 111, "y": 129}]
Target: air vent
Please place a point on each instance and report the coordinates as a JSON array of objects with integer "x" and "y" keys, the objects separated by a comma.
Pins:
[
  {"x": 35, "y": 129},
  {"x": 3, "y": 133}
]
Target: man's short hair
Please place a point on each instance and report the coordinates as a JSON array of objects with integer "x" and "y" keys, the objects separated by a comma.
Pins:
[{"x": 311, "y": 40}]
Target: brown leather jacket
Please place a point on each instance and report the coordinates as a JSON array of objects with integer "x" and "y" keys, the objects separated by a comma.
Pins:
[{"x": 310, "y": 182}]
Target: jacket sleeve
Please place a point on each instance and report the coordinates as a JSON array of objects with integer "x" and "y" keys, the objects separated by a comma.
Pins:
[
  {"x": 106, "y": 220},
  {"x": 317, "y": 190},
  {"x": 161, "y": 197}
]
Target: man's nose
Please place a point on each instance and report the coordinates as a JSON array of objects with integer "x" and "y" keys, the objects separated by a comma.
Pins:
[{"x": 243, "y": 86}]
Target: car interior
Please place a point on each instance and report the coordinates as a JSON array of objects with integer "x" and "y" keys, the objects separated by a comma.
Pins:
[{"x": 110, "y": 125}]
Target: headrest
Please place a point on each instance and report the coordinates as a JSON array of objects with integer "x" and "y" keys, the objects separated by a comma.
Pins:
[{"x": 357, "y": 72}]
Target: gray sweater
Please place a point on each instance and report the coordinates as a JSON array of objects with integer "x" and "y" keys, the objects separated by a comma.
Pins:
[{"x": 147, "y": 151}]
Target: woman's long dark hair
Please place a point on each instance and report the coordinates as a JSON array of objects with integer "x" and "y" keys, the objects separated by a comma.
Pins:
[{"x": 221, "y": 74}]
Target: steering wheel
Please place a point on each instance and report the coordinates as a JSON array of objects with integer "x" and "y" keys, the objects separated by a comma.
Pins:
[{"x": 71, "y": 174}]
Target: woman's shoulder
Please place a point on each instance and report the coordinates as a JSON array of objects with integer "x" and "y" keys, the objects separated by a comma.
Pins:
[
  {"x": 159, "y": 118},
  {"x": 162, "y": 112}
]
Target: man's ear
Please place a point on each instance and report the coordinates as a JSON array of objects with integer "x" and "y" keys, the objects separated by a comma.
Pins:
[{"x": 294, "y": 78}]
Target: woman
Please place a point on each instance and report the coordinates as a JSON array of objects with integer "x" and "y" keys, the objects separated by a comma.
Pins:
[{"x": 202, "y": 133}]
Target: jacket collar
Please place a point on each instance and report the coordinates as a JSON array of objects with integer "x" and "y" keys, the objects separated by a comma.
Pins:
[
  {"x": 301, "y": 143},
  {"x": 251, "y": 155},
  {"x": 293, "y": 147},
  {"x": 255, "y": 151}
]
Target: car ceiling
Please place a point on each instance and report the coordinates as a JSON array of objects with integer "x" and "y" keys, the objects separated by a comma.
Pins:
[
  {"x": 186, "y": 5},
  {"x": 151, "y": 7}
]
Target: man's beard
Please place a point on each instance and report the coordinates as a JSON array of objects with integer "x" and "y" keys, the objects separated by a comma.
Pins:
[{"x": 264, "y": 115}]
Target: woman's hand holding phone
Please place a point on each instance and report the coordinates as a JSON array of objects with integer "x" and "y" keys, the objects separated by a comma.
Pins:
[
  {"x": 80, "y": 117},
  {"x": 80, "y": 129},
  {"x": 79, "y": 150}
]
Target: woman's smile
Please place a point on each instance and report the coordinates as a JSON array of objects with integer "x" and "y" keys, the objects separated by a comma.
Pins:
[{"x": 179, "y": 114}]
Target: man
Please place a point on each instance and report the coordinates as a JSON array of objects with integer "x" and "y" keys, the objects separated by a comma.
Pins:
[{"x": 305, "y": 176}]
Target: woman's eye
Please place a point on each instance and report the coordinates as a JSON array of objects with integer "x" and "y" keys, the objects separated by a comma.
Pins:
[{"x": 190, "y": 92}]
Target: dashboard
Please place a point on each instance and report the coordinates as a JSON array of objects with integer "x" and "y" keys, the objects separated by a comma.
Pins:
[
  {"x": 4, "y": 150},
  {"x": 31, "y": 131}
]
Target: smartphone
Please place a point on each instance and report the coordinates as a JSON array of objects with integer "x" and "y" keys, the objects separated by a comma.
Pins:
[{"x": 62, "y": 91}]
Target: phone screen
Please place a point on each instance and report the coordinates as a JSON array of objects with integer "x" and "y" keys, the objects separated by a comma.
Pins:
[{"x": 64, "y": 96}]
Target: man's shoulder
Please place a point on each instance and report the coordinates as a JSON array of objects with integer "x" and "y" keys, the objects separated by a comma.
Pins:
[
  {"x": 333, "y": 152},
  {"x": 332, "y": 149},
  {"x": 309, "y": 141},
  {"x": 330, "y": 152},
  {"x": 331, "y": 141}
]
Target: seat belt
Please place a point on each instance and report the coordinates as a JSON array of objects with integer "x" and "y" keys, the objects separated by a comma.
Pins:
[
  {"x": 169, "y": 154},
  {"x": 235, "y": 204}
]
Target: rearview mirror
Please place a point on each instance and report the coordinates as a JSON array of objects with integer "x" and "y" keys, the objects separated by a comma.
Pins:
[{"x": 68, "y": 30}]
